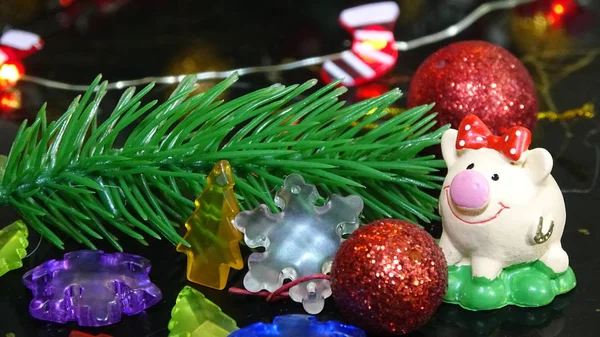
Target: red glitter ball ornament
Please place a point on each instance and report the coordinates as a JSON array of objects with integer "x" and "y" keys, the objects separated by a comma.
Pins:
[
  {"x": 476, "y": 77},
  {"x": 389, "y": 277}
]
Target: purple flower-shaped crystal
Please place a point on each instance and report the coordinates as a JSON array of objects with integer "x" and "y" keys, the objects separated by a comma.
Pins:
[{"x": 91, "y": 287}]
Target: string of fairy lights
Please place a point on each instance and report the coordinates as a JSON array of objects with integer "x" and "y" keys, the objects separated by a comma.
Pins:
[{"x": 444, "y": 34}]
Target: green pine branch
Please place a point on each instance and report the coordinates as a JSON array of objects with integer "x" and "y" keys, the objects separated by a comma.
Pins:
[{"x": 69, "y": 176}]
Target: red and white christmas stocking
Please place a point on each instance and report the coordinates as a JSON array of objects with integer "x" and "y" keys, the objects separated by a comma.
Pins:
[
  {"x": 14, "y": 46},
  {"x": 373, "y": 52}
]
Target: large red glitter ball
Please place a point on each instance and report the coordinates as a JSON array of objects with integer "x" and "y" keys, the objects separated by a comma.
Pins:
[
  {"x": 389, "y": 277},
  {"x": 476, "y": 77}
]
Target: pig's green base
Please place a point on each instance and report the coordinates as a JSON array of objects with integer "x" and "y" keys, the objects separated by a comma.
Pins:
[{"x": 526, "y": 285}]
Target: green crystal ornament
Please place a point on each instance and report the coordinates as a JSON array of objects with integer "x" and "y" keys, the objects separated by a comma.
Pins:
[
  {"x": 195, "y": 316},
  {"x": 13, "y": 244}
]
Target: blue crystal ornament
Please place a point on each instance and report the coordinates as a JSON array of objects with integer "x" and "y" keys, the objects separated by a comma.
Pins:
[{"x": 299, "y": 326}]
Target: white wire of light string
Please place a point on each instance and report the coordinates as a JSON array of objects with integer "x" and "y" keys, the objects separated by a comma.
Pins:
[{"x": 211, "y": 75}]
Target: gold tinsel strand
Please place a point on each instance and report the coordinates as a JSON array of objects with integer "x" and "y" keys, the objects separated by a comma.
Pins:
[{"x": 587, "y": 111}]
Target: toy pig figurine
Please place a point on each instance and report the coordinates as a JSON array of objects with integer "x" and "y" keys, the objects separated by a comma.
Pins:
[{"x": 500, "y": 206}]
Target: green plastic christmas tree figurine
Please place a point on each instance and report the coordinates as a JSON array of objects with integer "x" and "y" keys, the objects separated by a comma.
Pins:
[
  {"x": 70, "y": 175},
  {"x": 13, "y": 242},
  {"x": 195, "y": 316}
]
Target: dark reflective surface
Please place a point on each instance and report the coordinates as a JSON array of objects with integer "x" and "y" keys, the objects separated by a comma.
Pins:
[{"x": 161, "y": 37}]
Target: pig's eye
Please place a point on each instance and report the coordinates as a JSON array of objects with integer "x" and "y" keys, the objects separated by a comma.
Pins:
[
  {"x": 495, "y": 177},
  {"x": 470, "y": 166}
]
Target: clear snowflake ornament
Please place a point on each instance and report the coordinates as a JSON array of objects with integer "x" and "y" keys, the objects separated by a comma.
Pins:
[{"x": 300, "y": 241}]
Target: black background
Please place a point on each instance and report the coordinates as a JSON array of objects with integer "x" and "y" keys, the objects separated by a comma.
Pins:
[{"x": 155, "y": 37}]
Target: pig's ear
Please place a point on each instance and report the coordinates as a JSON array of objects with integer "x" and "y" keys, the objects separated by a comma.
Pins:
[
  {"x": 449, "y": 146},
  {"x": 538, "y": 164}
]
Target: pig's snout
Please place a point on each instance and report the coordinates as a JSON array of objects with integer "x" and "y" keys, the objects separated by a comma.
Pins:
[{"x": 470, "y": 190}]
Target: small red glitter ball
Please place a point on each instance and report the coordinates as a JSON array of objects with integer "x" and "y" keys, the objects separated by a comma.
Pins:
[
  {"x": 476, "y": 77},
  {"x": 389, "y": 277}
]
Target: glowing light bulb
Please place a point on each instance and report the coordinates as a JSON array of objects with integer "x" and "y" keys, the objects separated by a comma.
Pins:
[
  {"x": 369, "y": 45},
  {"x": 9, "y": 75},
  {"x": 376, "y": 44},
  {"x": 558, "y": 9}
]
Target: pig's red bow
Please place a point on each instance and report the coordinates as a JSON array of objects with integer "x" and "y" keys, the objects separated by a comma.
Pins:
[{"x": 473, "y": 134}]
